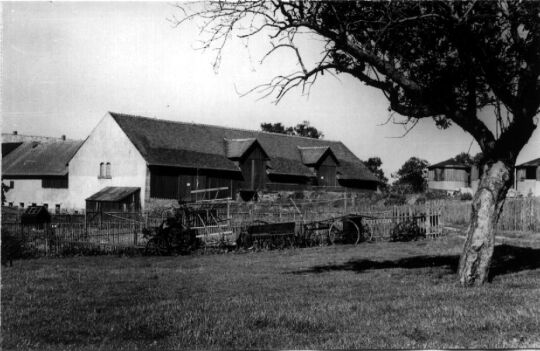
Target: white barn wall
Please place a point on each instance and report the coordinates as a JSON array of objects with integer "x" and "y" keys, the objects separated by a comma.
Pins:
[
  {"x": 447, "y": 185},
  {"x": 30, "y": 191},
  {"x": 106, "y": 143},
  {"x": 528, "y": 186}
]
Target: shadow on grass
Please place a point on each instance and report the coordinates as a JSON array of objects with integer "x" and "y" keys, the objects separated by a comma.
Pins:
[{"x": 506, "y": 259}]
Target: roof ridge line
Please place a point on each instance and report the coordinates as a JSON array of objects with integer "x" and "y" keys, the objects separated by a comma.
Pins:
[
  {"x": 219, "y": 126},
  {"x": 312, "y": 147}
]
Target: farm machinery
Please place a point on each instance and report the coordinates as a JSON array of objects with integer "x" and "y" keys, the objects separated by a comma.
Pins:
[{"x": 188, "y": 227}]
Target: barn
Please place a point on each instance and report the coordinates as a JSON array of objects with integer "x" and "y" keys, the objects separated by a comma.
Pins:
[
  {"x": 175, "y": 160},
  {"x": 449, "y": 175}
]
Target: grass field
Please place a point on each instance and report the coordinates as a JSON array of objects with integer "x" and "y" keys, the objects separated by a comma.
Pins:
[{"x": 392, "y": 295}]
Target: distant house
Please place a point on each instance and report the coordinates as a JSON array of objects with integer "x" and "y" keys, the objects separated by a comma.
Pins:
[
  {"x": 449, "y": 175},
  {"x": 528, "y": 178},
  {"x": 38, "y": 173},
  {"x": 161, "y": 159}
]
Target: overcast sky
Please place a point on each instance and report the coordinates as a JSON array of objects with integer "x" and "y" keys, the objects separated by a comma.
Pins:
[{"x": 64, "y": 65}]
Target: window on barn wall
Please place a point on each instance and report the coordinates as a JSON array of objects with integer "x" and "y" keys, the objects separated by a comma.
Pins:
[
  {"x": 101, "y": 170},
  {"x": 530, "y": 173},
  {"x": 108, "y": 170},
  {"x": 57, "y": 208},
  {"x": 11, "y": 184},
  {"x": 439, "y": 174},
  {"x": 55, "y": 182}
]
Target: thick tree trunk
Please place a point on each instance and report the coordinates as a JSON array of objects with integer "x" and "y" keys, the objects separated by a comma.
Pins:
[{"x": 486, "y": 207}]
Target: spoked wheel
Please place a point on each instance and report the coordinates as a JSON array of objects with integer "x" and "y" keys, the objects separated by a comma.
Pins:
[{"x": 337, "y": 232}]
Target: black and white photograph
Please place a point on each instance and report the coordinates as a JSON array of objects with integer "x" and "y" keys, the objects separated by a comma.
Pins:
[{"x": 270, "y": 174}]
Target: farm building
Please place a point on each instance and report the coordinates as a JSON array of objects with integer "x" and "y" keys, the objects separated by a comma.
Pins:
[
  {"x": 527, "y": 180},
  {"x": 37, "y": 173},
  {"x": 11, "y": 141},
  {"x": 449, "y": 175},
  {"x": 171, "y": 160}
]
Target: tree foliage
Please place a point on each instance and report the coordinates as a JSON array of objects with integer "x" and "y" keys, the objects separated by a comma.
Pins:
[
  {"x": 374, "y": 165},
  {"x": 467, "y": 159},
  {"x": 5, "y": 189},
  {"x": 464, "y": 158},
  {"x": 304, "y": 129},
  {"x": 413, "y": 173}
]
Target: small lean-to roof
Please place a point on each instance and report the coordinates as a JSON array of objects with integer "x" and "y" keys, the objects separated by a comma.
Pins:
[
  {"x": 113, "y": 193},
  {"x": 35, "y": 159},
  {"x": 450, "y": 163},
  {"x": 181, "y": 144},
  {"x": 531, "y": 163}
]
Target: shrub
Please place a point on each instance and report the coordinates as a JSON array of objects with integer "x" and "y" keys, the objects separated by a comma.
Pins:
[
  {"x": 406, "y": 231},
  {"x": 395, "y": 200},
  {"x": 436, "y": 195},
  {"x": 11, "y": 248},
  {"x": 466, "y": 197}
]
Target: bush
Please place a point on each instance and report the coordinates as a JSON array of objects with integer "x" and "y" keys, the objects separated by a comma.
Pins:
[
  {"x": 407, "y": 231},
  {"x": 395, "y": 200},
  {"x": 436, "y": 195},
  {"x": 11, "y": 248},
  {"x": 466, "y": 197}
]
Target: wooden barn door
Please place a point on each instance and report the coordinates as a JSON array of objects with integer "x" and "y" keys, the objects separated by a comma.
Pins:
[
  {"x": 326, "y": 172},
  {"x": 254, "y": 169}
]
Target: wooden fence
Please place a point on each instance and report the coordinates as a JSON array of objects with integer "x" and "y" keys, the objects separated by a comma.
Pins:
[
  {"x": 58, "y": 238},
  {"x": 519, "y": 214}
]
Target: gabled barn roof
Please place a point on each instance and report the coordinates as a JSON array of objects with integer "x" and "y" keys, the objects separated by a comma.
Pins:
[
  {"x": 35, "y": 159},
  {"x": 180, "y": 144},
  {"x": 531, "y": 163},
  {"x": 450, "y": 163},
  {"x": 313, "y": 154}
]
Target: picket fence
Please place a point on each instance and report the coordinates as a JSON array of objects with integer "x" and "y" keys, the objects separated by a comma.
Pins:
[{"x": 59, "y": 238}]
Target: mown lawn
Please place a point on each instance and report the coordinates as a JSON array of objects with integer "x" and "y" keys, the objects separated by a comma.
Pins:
[{"x": 392, "y": 295}]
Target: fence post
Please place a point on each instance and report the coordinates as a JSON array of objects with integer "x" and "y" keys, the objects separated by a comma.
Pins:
[{"x": 134, "y": 234}]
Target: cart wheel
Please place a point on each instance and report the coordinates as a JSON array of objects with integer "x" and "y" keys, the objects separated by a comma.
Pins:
[
  {"x": 355, "y": 235},
  {"x": 335, "y": 231}
]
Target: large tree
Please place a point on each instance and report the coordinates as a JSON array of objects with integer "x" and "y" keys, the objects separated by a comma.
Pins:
[
  {"x": 448, "y": 61},
  {"x": 412, "y": 173},
  {"x": 374, "y": 165}
]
